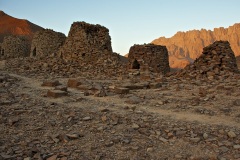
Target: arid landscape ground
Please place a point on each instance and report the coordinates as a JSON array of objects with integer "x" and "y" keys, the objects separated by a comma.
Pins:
[
  {"x": 78, "y": 100},
  {"x": 162, "y": 118}
]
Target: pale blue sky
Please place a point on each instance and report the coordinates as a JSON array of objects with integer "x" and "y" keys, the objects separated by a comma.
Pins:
[{"x": 129, "y": 21}]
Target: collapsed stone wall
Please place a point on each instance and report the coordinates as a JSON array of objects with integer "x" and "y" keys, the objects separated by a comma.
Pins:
[
  {"x": 1, "y": 54},
  {"x": 149, "y": 57},
  {"x": 46, "y": 42},
  {"x": 14, "y": 47},
  {"x": 217, "y": 60},
  {"x": 86, "y": 43}
]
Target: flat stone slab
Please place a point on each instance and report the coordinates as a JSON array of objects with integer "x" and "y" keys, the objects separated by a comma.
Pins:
[
  {"x": 56, "y": 93},
  {"x": 51, "y": 83},
  {"x": 121, "y": 90}
]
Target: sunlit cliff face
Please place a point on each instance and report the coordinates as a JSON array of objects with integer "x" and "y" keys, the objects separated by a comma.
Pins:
[
  {"x": 13, "y": 26},
  {"x": 185, "y": 47}
]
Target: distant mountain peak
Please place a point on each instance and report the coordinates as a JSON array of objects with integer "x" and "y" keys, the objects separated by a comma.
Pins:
[
  {"x": 13, "y": 26},
  {"x": 2, "y": 13},
  {"x": 185, "y": 47}
]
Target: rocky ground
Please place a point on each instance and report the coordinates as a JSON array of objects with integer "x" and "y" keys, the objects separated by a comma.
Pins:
[{"x": 117, "y": 118}]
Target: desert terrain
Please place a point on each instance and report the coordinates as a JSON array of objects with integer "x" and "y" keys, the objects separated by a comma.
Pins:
[
  {"x": 73, "y": 98},
  {"x": 159, "y": 118}
]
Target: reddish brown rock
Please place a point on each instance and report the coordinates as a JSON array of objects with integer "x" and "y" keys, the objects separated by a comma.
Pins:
[
  {"x": 56, "y": 93},
  {"x": 73, "y": 83},
  {"x": 121, "y": 90},
  {"x": 51, "y": 83}
]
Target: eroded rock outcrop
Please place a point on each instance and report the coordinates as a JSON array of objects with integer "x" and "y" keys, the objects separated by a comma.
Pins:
[
  {"x": 149, "y": 57},
  {"x": 185, "y": 47},
  {"x": 216, "y": 61},
  {"x": 46, "y": 42}
]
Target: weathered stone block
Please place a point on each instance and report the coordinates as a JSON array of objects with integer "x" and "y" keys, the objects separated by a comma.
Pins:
[
  {"x": 56, "y": 93},
  {"x": 121, "y": 90},
  {"x": 51, "y": 83},
  {"x": 73, "y": 83},
  {"x": 155, "y": 85},
  {"x": 61, "y": 88}
]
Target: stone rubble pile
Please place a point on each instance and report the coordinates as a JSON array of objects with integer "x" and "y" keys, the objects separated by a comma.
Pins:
[
  {"x": 55, "y": 67},
  {"x": 216, "y": 62}
]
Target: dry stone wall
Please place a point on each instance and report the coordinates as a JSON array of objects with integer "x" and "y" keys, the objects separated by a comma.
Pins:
[
  {"x": 217, "y": 61},
  {"x": 46, "y": 43},
  {"x": 86, "y": 43},
  {"x": 1, "y": 54},
  {"x": 149, "y": 57},
  {"x": 14, "y": 47}
]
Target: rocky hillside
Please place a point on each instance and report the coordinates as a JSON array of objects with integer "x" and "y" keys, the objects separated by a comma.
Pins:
[
  {"x": 185, "y": 47},
  {"x": 13, "y": 26}
]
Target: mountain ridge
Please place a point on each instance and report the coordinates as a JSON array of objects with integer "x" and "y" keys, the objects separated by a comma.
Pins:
[
  {"x": 14, "y": 26},
  {"x": 185, "y": 47}
]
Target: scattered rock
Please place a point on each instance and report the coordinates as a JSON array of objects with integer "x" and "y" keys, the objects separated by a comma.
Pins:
[
  {"x": 231, "y": 134},
  {"x": 56, "y": 93},
  {"x": 133, "y": 100},
  {"x": 61, "y": 88},
  {"x": 195, "y": 140},
  {"x": 51, "y": 83},
  {"x": 86, "y": 118},
  {"x": 120, "y": 90},
  {"x": 236, "y": 102},
  {"x": 72, "y": 136},
  {"x": 73, "y": 83},
  {"x": 135, "y": 126},
  {"x": 53, "y": 157}
]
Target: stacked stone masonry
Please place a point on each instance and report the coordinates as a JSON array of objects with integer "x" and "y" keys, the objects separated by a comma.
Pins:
[
  {"x": 149, "y": 57},
  {"x": 46, "y": 43},
  {"x": 14, "y": 47},
  {"x": 216, "y": 60},
  {"x": 1, "y": 51},
  {"x": 86, "y": 43}
]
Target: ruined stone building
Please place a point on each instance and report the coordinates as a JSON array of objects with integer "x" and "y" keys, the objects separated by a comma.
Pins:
[
  {"x": 1, "y": 50},
  {"x": 149, "y": 57},
  {"x": 46, "y": 43},
  {"x": 217, "y": 60},
  {"x": 14, "y": 47},
  {"x": 86, "y": 43}
]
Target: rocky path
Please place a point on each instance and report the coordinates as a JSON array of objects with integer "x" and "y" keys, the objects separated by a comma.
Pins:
[{"x": 144, "y": 124}]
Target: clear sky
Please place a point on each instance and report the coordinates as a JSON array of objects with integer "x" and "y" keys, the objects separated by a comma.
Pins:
[{"x": 129, "y": 21}]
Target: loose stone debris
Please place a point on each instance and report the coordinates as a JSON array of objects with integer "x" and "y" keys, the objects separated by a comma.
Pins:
[{"x": 55, "y": 108}]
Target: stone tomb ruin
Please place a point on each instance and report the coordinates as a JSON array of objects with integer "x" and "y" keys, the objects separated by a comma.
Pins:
[
  {"x": 149, "y": 57},
  {"x": 14, "y": 47},
  {"x": 86, "y": 43},
  {"x": 1, "y": 50},
  {"x": 46, "y": 43},
  {"x": 217, "y": 60}
]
